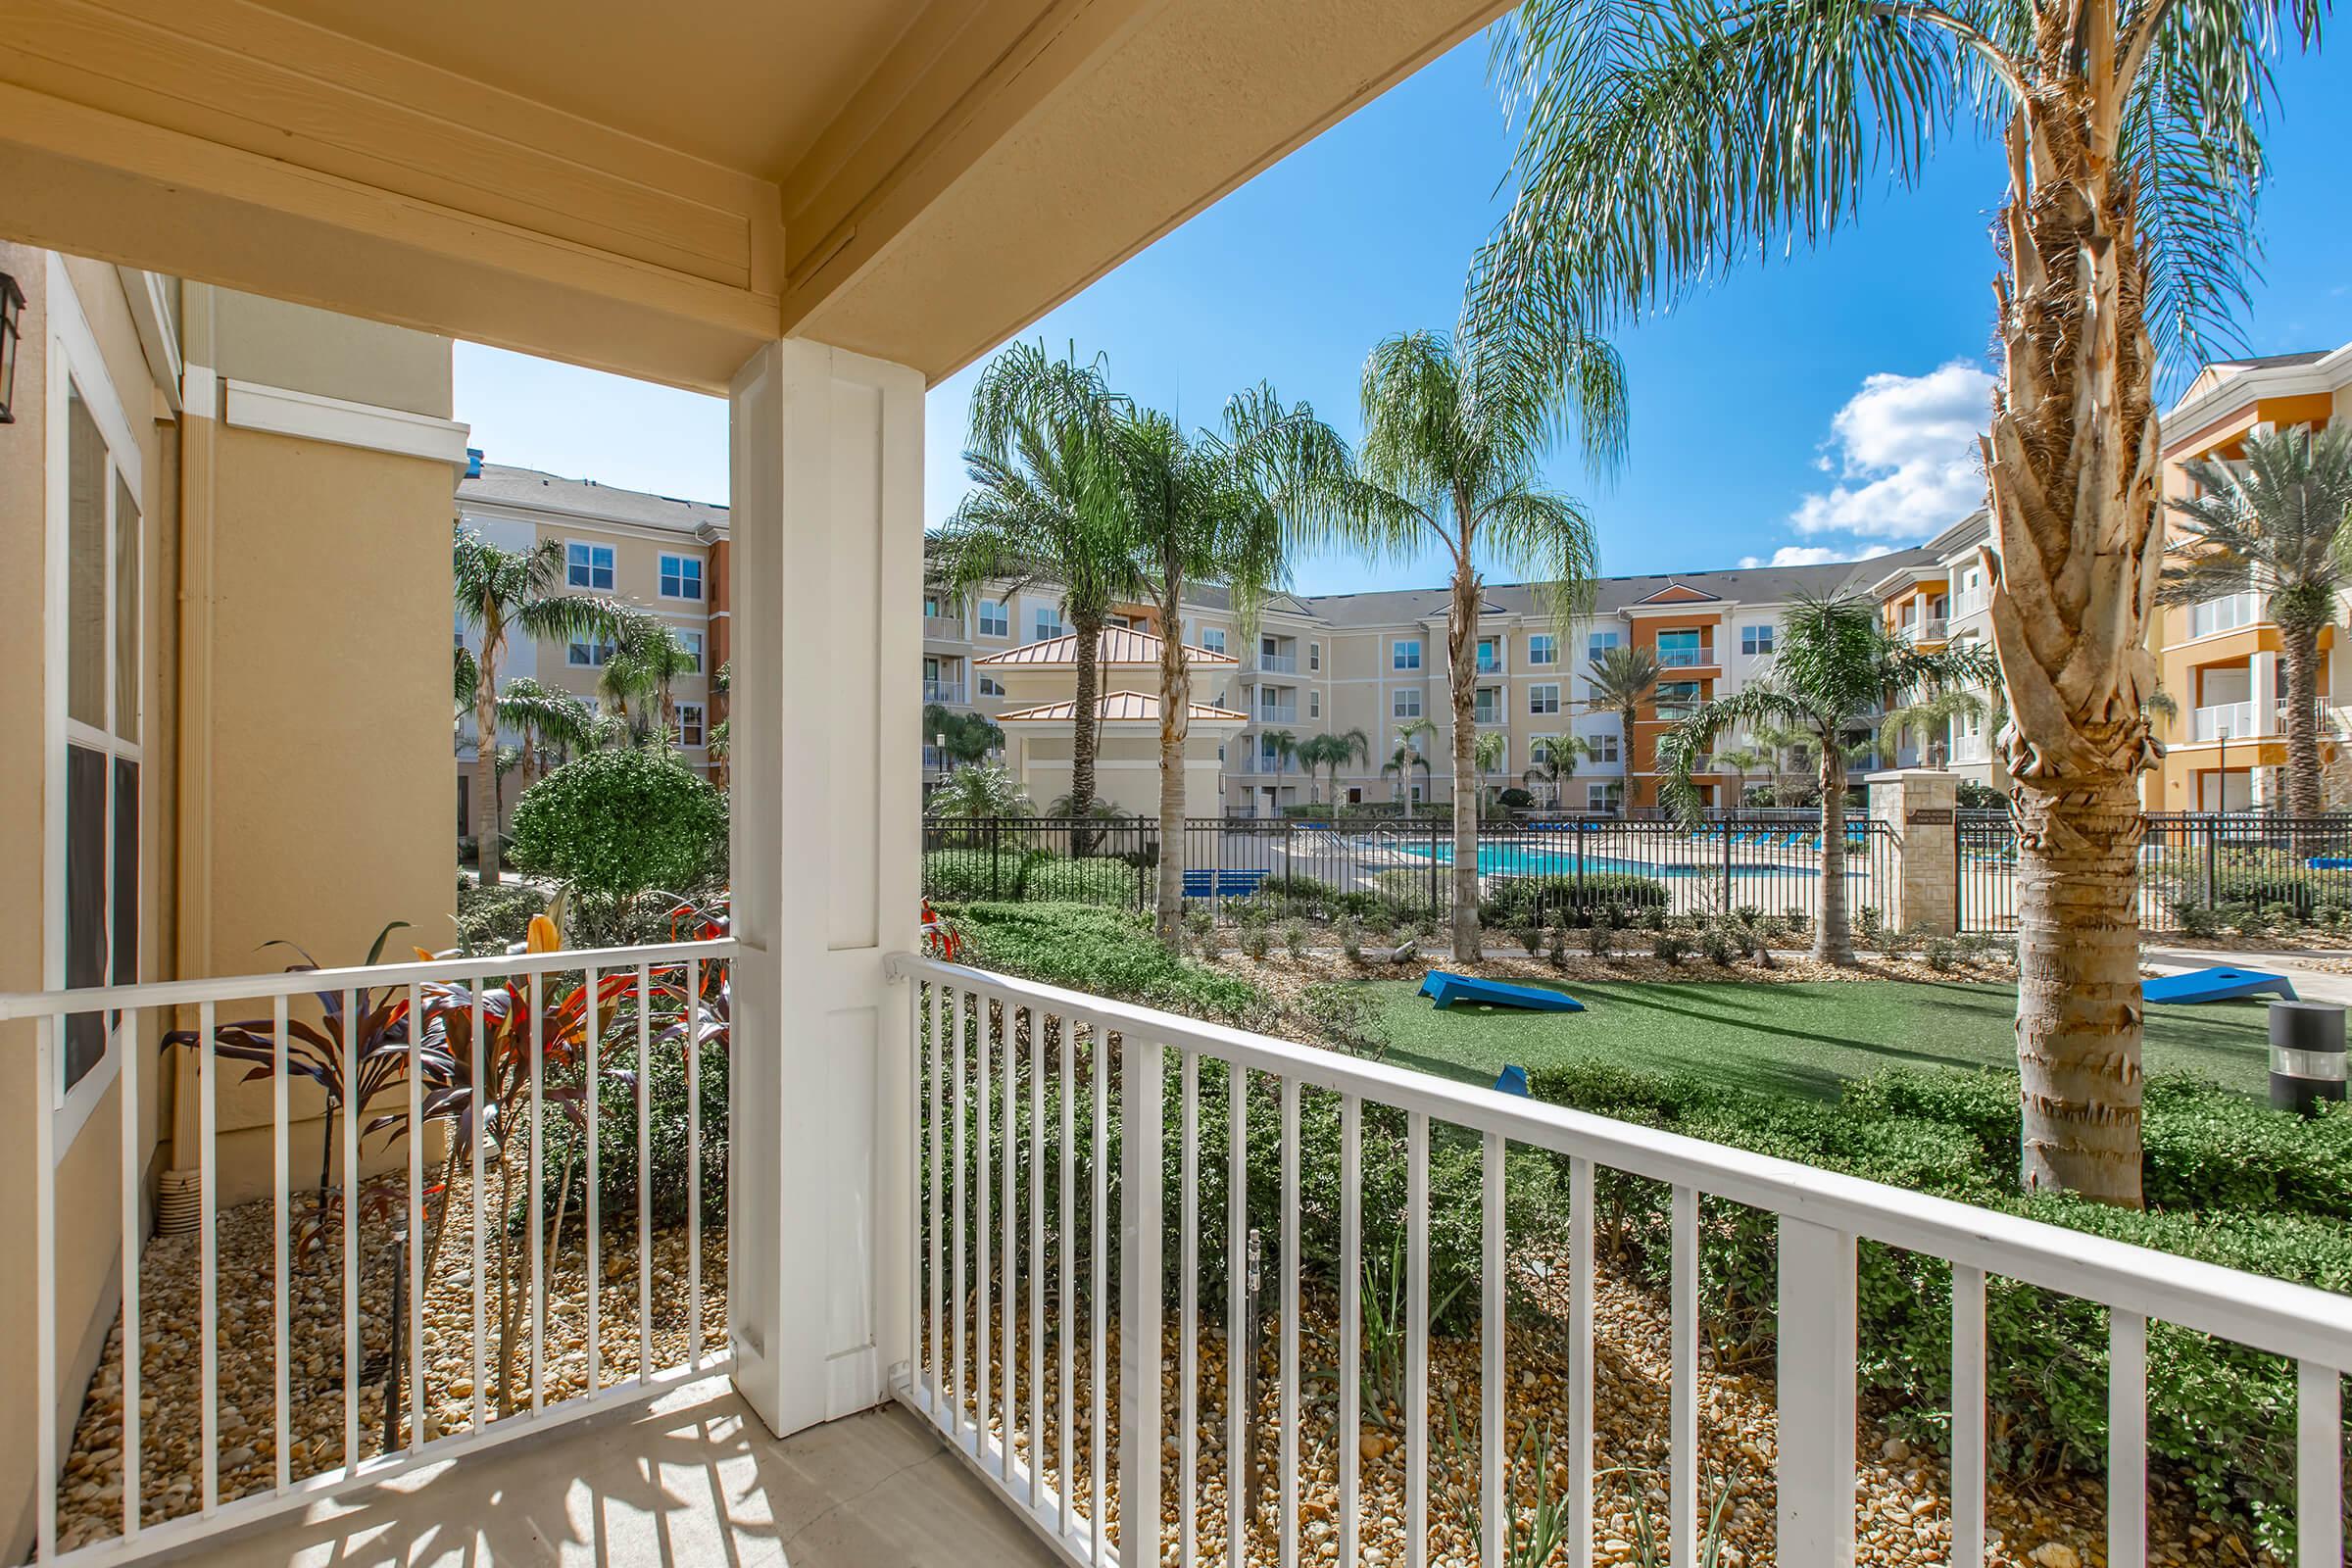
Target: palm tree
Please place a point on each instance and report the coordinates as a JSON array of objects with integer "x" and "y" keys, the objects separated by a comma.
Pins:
[
  {"x": 966, "y": 737},
  {"x": 1622, "y": 681},
  {"x": 499, "y": 592},
  {"x": 1834, "y": 664},
  {"x": 1046, "y": 507},
  {"x": 1487, "y": 753},
  {"x": 1663, "y": 141},
  {"x": 979, "y": 791},
  {"x": 2273, "y": 522},
  {"x": 1926, "y": 717},
  {"x": 1742, "y": 760},
  {"x": 1281, "y": 745},
  {"x": 1332, "y": 751},
  {"x": 1455, "y": 437},
  {"x": 1411, "y": 750},
  {"x": 1554, "y": 764},
  {"x": 1208, "y": 510},
  {"x": 547, "y": 719},
  {"x": 723, "y": 681}
]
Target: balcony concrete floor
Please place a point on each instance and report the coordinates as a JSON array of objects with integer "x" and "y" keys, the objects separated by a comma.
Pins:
[{"x": 692, "y": 1480}]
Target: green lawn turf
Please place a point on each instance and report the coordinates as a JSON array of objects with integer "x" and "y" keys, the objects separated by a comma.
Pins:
[{"x": 1793, "y": 1039}]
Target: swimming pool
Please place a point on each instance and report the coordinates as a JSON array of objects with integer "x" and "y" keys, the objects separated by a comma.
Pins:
[{"x": 1562, "y": 859}]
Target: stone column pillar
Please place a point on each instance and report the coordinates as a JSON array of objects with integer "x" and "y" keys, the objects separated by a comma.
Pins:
[{"x": 1917, "y": 804}]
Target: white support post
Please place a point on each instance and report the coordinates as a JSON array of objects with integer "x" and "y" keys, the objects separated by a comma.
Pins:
[
  {"x": 1817, "y": 1411},
  {"x": 826, "y": 778}
]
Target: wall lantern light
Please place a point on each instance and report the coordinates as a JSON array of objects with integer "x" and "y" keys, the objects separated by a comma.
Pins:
[{"x": 11, "y": 336}]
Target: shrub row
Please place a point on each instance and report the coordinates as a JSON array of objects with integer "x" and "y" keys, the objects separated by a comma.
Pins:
[{"x": 1019, "y": 875}]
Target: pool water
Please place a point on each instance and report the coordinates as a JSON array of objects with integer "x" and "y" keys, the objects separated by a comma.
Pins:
[{"x": 1527, "y": 859}]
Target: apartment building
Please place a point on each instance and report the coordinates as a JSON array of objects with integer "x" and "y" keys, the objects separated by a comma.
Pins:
[
  {"x": 2225, "y": 733},
  {"x": 666, "y": 556}
]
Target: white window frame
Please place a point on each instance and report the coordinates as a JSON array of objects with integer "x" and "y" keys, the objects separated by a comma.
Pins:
[
  {"x": 997, "y": 624},
  {"x": 690, "y": 568},
  {"x": 1604, "y": 795},
  {"x": 702, "y": 733},
  {"x": 990, "y": 686},
  {"x": 1757, "y": 641},
  {"x": 1543, "y": 698},
  {"x": 1045, "y": 622},
  {"x": 1405, "y": 696},
  {"x": 1542, "y": 647},
  {"x": 1404, "y": 653},
  {"x": 1597, "y": 641},
  {"x": 1314, "y": 705},
  {"x": 75, "y": 362},
  {"x": 1314, "y": 657},
  {"x": 692, "y": 642},
  {"x": 611, "y": 566},
  {"x": 1604, "y": 746},
  {"x": 600, "y": 655},
  {"x": 1212, "y": 638}
]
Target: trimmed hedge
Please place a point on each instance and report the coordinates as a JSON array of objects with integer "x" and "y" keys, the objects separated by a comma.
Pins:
[
  {"x": 1106, "y": 951},
  {"x": 1019, "y": 875},
  {"x": 622, "y": 823},
  {"x": 1517, "y": 901},
  {"x": 2231, "y": 1183}
]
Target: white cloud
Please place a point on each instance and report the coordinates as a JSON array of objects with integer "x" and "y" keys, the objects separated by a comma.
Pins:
[
  {"x": 1904, "y": 451},
  {"x": 1815, "y": 555}
]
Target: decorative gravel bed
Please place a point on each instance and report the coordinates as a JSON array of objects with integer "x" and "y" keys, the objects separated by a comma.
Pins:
[{"x": 90, "y": 1490}]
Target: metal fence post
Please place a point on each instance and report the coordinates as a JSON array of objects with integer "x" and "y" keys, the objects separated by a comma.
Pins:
[
  {"x": 1729, "y": 820},
  {"x": 2212, "y": 827},
  {"x": 996, "y": 840}
]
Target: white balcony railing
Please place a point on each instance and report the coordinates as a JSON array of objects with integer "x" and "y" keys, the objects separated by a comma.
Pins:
[
  {"x": 2216, "y": 721},
  {"x": 989, "y": 1307},
  {"x": 1276, "y": 664},
  {"x": 508, "y": 1057},
  {"x": 1277, "y": 712},
  {"x": 1687, "y": 658},
  {"x": 992, "y": 1300},
  {"x": 944, "y": 690}
]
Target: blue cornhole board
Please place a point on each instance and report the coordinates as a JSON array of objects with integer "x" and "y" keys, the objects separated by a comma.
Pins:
[
  {"x": 1512, "y": 1081},
  {"x": 2215, "y": 985},
  {"x": 1444, "y": 990}
]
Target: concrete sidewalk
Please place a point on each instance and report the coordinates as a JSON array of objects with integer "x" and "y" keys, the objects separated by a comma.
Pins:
[{"x": 2311, "y": 985}]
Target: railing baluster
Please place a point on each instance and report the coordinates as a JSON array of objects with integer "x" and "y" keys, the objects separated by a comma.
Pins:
[
  {"x": 207, "y": 1312},
  {"x": 2126, "y": 1439},
  {"x": 1493, "y": 1457},
  {"x": 961, "y": 1388},
  {"x": 1682, "y": 1476},
  {"x": 644, "y": 1187},
  {"x": 482, "y": 1257},
  {"x": 350, "y": 1230},
  {"x": 1968, "y": 1417},
  {"x": 1066, "y": 1415},
  {"x": 537, "y": 1196},
  {"x": 1239, "y": 1351},
  {"x": 48, "y": 1054},
  {"x": 595, "y": 1281},
  {"x": 416, "y": 1248},
  {"x": 1188, "y": 1408},
  {"x": 1097, "y": 1040},
  {"x": 1416, "y": 1365},
  {"x": 1351, "y": 1311},
  {"x": 1009, "y": 1298},
  {"x": 1580, "y": 1367},
  {"x": 1037, "y": 1259},
  {"x": 982, "y": 1269},
  {"x": 2319, "y": 1466},
  {"x": 1816, "y": 1397},
  {"x": 693, "y": 1047},
  {"x": 280, "y": 1242},
  {"x": 1139, "y": 1270},
  {"x": 134, "y": 1232},
  {"x": 935, "y": 1197},
  {"x": 1289, "y": 1322}
]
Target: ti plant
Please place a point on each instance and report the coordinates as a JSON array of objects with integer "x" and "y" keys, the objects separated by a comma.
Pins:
[
  {"x": 1529, "y": 1538},
  {"x": 1648, "y": 1551}
]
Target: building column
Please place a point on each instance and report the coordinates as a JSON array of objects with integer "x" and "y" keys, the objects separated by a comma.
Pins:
[
  {"x": 1918, "y": 805},
  {"x": 825, "y": 776},
  {"x": 2262, "y": 681}
]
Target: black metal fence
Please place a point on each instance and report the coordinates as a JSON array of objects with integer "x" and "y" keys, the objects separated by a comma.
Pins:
[
  {"x": 2197, "y": 869},
  {"x": 1543, "y": 870}
]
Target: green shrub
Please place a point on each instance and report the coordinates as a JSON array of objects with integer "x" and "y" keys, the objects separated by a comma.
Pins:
[
  {"x": 492, "y": 919},
  {"x": 1106, "y": 951},
  {"x": 1516, "y": 899},
  {"x": 965, "y": 874},
  {"x": 617, "y": 1155},
  {"x": 1414, "y": 895},
  {"x": 622, "y": 823},
  {"x": 2229, "y": 1182}
]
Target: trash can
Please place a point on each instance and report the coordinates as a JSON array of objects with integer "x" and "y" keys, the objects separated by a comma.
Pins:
[{"x": 2307, "y": 1055}]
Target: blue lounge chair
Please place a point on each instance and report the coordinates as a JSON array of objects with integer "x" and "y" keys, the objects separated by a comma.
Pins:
[
  {"x": 1444, "y": 990},
  {"x": 2331, "y": 862},
  {"x": 2215, "y": 985},
  {"x": 1512, "y": 1081}
]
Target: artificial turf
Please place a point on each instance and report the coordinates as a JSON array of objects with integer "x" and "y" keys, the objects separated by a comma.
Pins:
[{"x": 1789, "y": 1039}]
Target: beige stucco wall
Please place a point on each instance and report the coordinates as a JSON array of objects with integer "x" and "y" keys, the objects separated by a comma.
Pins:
[{"x": 248, "y": 338}]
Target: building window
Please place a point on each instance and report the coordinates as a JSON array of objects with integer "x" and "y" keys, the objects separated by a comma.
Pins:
[
  {"x": 95, "y": 553},
  {"x": 587, "y": 655},
  {"x": 1756, "y": 639},
  {"x": 994, "y": 619},
  {"x": 1314, "y": 655},
  {"x": 1543, "y": 699},
  {"x": 1212, "y": 638},
  {"x": 589, "y": 567},
  {"x": 1408, "y": 702},
  {"x": 692, "y": 642},
  {"x": 2225, "y": 614},
  {"x": 1604, "y": 747},
  {"x": 681, "y": 577},
  {"x": 1045, "y": 623},
  {"x": 1486, "y": 704},
  {"x": 1406, "y": 654},
  {"x": 1314, "y": 705},
  {"x": 690, "y": 725},
  {"x": 1599, "y": 643},
  {"x": 1490, "y": 656},
  {"x": 1603, "y": 797},
  {"x": 1676, "y": 698},
  {"x": 990, "y": 686},
  {"x": 1543, "y": 649}
]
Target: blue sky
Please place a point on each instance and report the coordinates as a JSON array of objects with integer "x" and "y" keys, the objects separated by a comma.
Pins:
[{"x": 1821, "y": 402}]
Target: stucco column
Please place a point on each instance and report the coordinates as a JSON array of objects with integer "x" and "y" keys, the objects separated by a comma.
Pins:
[
  {"x": 1917, "y": 803},
  {"x": 2262, "y": 672},
  {"x": 826, "y": 793}
]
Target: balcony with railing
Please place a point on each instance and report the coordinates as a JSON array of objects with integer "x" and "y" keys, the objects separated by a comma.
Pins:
[
  {"x": 2222, "y": 720},
  {"x": 1263, "y": 662},
  {"x": 1277, "y": 713},
  {"x": 1702, "y": 655},
  {"x": 950, "y": 692}
]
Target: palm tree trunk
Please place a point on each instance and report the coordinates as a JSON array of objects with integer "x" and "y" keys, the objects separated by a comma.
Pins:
[
  {"x": 1625, "y": 758},
  {"x": 1089, "y": 639},
  {"x": 1175, "y": 723},
  {"x": 2077, "y": 554},
  {"x": 1833, "y": 932},
  {"x": 1461, "y": 637},
  {"x": 485, "y": 765},
  {"x": 2301, "y": 647}
]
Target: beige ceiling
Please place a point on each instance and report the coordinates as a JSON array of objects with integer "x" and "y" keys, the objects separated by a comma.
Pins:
[{"x": 659, "y": 186}]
